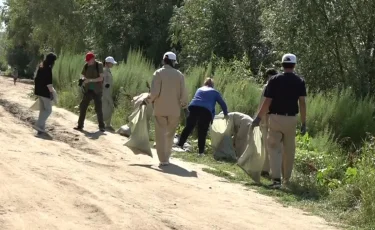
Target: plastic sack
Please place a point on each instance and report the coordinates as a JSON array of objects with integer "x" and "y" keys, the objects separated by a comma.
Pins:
[
  {"x": 139, "y": 138},
  {"x": 221, "y": 138},
  {"x": 35, "y": 106},
  {"x": 253, "y": 158},
  {"x": 124, "y": 130}
]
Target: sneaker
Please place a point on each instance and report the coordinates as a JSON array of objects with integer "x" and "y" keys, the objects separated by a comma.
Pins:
[
  {"x": 38, "y": 129},
  {"x": 201, "y": 155},
  {"x": 79, "y": 128},
  {"x": 164, "y": 164},
  {"x": 178, "y": 149},
  {"x": 102, "y": 130},
  {"x": 275, "y": 185}
]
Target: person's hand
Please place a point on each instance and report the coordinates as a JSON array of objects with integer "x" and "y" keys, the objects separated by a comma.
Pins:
[
  {"x": 303, "y": 129},
  {"x": 107, "y": 86},
  {"x": 255, "y": 122},
  {"x": 87, "y": 81},
  {"x": 51, "y": 96},
  {"x": 144, "y": 102},
  {"x": 186, "y": 112},
  {"x": 80, "y": 82}
]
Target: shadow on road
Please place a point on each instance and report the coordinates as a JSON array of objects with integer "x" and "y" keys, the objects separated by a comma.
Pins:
[{"x": 170, "y": 169}]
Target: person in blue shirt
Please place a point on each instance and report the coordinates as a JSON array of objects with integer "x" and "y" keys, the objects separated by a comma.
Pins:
[{"x": 201, "y": 113}]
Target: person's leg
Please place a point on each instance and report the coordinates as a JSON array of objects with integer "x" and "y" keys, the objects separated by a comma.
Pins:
[
  {"x": 266, "y": 165},
  {"x": 204, "y": 120},
  {"x": 171, "y": 130},
  {"x": 274, "y": 146},
  {"x": 45, "y": 111},
  {"x": 87, "y": 97},
  {"x": 99, "y": 109},
  {"x": 160, "y": 137},
  {"x": 289, "y": 147},
  {"x": 191, "y": 122},
  {"x": 108, "y": 107}
]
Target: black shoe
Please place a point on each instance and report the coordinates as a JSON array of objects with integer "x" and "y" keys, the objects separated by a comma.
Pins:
[
  {"x": 102, "y": 130},
  {"x": 276, "y": 184},
  {"x": 79, "y": 128}
]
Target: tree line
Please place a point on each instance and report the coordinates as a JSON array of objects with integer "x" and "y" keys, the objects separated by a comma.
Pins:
[{"x": 334, "y": 40}]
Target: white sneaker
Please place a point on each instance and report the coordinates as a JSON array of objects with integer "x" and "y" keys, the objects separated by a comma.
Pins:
[
  {"x": 201, "y": 155},
  {"x": 178, "y": 149}
]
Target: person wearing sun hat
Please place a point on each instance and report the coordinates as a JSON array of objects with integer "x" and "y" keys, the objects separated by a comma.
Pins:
[
  {"x": 92, "y": 76},
  {"x": 168, "y": 95},
  {"x": 285, "y": 97},
  {"x": 107, "y": 100}
]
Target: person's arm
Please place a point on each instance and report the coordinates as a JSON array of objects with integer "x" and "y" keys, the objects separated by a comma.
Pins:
[
  {"x": 222, "y": 104},
  {"x": 183, "y": 93},
  {"x": 269, "y": 95},
  {"x": 302, "y": 109},
  {"x": 49, "y": 81},
  {"x": 155, "y": 87},
  {"x": 302, "y": 102}
]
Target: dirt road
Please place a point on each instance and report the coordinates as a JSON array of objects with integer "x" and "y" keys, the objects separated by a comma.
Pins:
[{"x": 89, "y": 181}]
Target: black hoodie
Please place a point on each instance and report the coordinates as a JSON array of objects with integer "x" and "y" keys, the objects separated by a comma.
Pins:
[{"x": 44, "y": 76}]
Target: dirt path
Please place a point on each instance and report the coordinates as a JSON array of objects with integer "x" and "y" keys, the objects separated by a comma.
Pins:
[{"x": 87, "y": 181}]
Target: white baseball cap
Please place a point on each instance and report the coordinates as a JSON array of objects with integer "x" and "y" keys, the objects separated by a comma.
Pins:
[
  {"x": 171, "y": 56},
  {"x": 289, "y": 58},
  {"x": 110, "y": 60}
]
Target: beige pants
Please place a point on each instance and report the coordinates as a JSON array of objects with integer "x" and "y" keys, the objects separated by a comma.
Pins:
[
  {"x": 281, "y": 132},
  {"x": 165, "y": 129}
]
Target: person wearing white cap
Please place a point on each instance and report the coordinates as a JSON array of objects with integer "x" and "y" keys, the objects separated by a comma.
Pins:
[
  {"x": 107, "y": 100},
  {"x": 168, "y": 95},
  {"x": 285, "y": 97}
]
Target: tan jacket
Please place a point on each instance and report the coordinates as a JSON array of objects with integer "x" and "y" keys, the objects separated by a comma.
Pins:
[{"x": 168, "y": 92}]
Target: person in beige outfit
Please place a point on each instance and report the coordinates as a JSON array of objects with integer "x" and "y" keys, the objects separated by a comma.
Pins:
[{"x": 168, "y": 95}]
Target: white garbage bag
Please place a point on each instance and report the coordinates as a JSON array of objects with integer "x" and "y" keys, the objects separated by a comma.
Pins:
[{"x": 252, "y": 160}]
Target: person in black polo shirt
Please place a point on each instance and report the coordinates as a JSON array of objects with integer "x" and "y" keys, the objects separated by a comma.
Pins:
[{"x": 283, "y": 94}]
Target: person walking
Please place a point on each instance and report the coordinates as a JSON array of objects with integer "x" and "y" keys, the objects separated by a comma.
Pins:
[
  {"x": 168, "y": 95},
  {"x": 284, "y": 99},
  {"x": 264, "y": 125},
  {"x": 92, "y": 77},
  {"x": 43, "y": 88},
  {"x": 15, "y": 75},
  {"x": 201, "y": 113},
  {"x": 107, "y": 100}
]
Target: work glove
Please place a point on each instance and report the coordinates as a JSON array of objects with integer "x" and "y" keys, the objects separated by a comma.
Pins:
[
  {"x": 80, "y": 82},
  {"x": 255, "y": 122},
  {"x": 51, "y": 96},
  {"x": 186, "y": 112},
  {"x": 107, "y": 86},
  {"x": 303, "y": 129}
]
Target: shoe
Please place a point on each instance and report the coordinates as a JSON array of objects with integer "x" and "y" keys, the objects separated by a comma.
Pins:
[
  {"x": 79, "y": 128},
  {"x": 201, "y": 155},
  {"x": 164, "y": 164},
  {"x": 38, "y": 129},
  {"x": 275, "y": 185},
  {"x": 102, "y": 130},
  {"x": 178, "y": 149},
  {"x": 39, "y": 133}
]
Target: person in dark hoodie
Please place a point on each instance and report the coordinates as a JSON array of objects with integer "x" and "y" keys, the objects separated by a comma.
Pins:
[{"x": 45, "y": 91}]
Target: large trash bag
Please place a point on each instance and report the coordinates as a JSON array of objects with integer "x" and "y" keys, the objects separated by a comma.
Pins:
[
  {"x": 253, "y": 158},
  {"x": 221, "y": 138},
  {"x": 35, "y": 106},
  {"x": 139, "y": 138}
]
